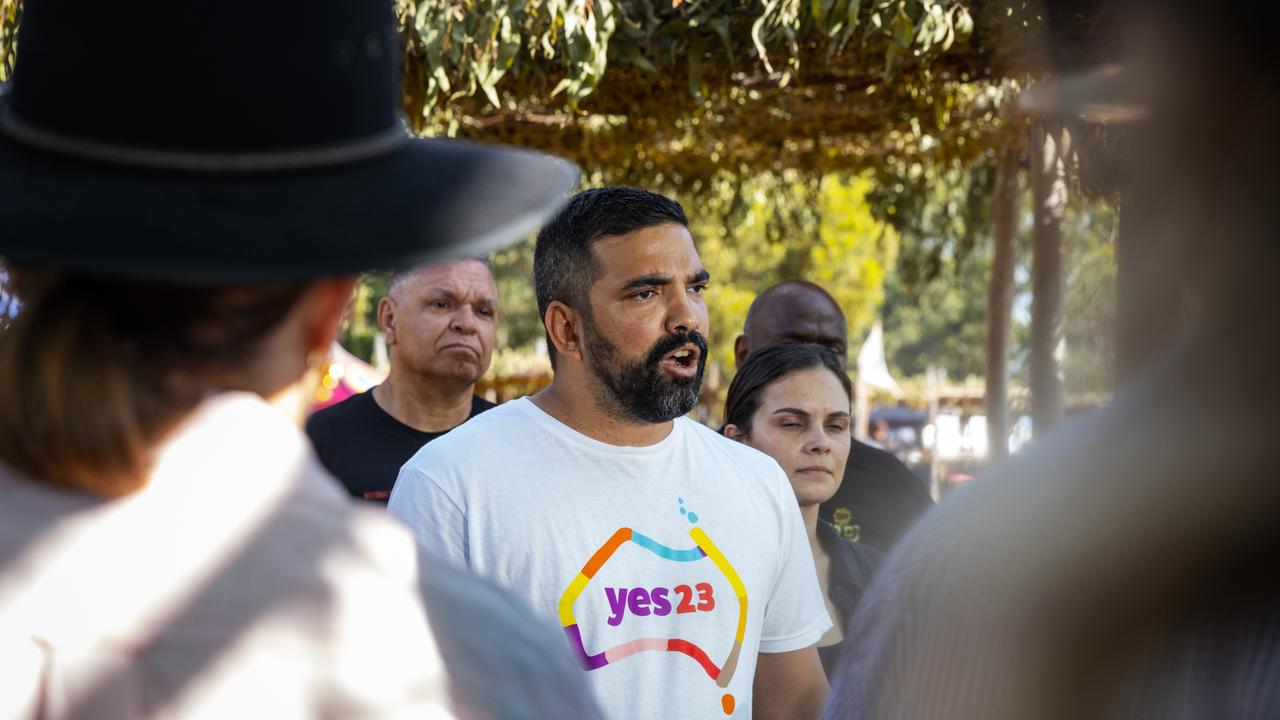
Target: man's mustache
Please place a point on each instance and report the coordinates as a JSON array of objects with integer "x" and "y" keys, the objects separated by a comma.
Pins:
[{"x": 673, "y": 342}]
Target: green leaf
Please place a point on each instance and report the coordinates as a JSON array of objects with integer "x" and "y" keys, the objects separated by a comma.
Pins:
[
  {"x": 820, "y": 10},
  {"x": 696, "y": 50},
  {"x": 963, "y": 24},
  {"x": 757, "y": 37},
  {"x": 563, "y": 85},
  {"x": 903, "y": 29},
  {"x": 892, "y": 60},
  {"x": 633, "y": 56},
  {"x": 721, "y": 27},
  {"x": 940, "y": 24},
  {"x": 851, "y": 16}
]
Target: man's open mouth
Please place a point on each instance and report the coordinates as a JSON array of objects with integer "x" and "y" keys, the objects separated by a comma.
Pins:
[{"x": 683, "y": 361}]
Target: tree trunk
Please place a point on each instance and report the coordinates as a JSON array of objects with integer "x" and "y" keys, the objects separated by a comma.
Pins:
[
  {"x": 1049, "y": 148},
  {"x": 1000, "y": 302}
]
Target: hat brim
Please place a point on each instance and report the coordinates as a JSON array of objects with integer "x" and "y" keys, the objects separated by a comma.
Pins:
[{"x": 427, "y": 200}]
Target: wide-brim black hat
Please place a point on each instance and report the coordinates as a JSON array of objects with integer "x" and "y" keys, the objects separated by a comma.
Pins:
[{"x": 183, "y": 141}]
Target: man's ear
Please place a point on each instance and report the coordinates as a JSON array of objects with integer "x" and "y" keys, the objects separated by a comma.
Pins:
[
  {"x": 564, "y": 329},
  {"x": 733, "y": 432},
  {"x": 387, "y": 319},
  {"x": 740, "y": 351}
]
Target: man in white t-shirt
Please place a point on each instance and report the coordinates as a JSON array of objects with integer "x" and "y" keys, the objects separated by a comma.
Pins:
[{"x": 674, "y": 559}]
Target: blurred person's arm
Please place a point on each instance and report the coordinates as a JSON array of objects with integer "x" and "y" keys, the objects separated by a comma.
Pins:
[
  {"x": 503, "y": 660},
  {"x": 789, "y": 685}
]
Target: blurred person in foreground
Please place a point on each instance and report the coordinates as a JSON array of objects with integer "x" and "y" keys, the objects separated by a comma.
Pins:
[
  {"x": 878, "y": 497},
  {"x": 440, "y": 321},
  {"x": 1124, "y": 566},
  {"x": 674, "y": 559},
  {"x": 169, "y": 545},
  {"x": 791, "y": 402}
]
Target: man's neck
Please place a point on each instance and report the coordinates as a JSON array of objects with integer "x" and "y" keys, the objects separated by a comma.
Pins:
[
  {"x": 577, "y": 409},
  {"x": 424, "y": 404}
]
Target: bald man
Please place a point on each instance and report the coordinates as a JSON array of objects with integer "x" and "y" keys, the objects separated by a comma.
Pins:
[
  {"x": 440, "y": 322},
  {"x": 879, "y": 497}
]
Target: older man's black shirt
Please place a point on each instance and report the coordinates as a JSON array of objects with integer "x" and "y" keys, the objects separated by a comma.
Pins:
[{"x": 364, "y": 447}]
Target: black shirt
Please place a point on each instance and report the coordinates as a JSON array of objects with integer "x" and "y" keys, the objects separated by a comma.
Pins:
[
  {"x": 364, "y": 447},
  {"x": 849, "y": 573},
  {"x": 878, "y": 499}
]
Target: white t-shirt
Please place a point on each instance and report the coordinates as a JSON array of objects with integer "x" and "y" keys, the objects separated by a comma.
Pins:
[{"x": 668, "y": 567}]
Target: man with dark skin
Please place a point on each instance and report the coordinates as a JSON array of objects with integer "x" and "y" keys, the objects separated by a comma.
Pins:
[
  {"x": 597, "y": 499},
  {"x": 879, "y": 497}
]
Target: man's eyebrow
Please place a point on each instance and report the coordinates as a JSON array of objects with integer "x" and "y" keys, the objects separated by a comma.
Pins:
[
  {"x": 700, "y": 276},
  {"x": 646, "y": 281},
  {"x": 839, "y": 414},
  {"x": 435, "y": 291}
]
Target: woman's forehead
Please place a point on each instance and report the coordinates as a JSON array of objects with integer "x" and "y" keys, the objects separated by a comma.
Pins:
[{"x": 814, "y": 389}]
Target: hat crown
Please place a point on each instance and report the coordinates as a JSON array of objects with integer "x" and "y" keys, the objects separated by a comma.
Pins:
[{"x": 204, "y": 76}]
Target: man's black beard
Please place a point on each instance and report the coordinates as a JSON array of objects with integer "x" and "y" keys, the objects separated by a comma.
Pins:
[{"x": 641, "y": 390}]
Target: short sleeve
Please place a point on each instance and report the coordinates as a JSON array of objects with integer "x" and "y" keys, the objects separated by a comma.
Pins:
[
  {"x": 795, "y": 616},
  {"x": 432, "y": 514}
]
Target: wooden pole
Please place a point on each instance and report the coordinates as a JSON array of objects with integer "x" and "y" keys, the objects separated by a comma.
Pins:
[
  {"x": 1000, "y": 302},
  {"x": 1049, "y": 148}
]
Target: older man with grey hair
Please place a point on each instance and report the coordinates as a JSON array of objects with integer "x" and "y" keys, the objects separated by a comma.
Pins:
[{"x": 440, "y": 322}]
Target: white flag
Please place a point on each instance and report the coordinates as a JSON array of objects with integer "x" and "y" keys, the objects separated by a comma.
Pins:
[{"x": 872, "y": 369}]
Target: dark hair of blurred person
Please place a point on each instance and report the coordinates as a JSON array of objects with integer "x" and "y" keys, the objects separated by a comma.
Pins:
[
  {"x": 791, "y": 402},
  {"x": 97, "y": 371}
]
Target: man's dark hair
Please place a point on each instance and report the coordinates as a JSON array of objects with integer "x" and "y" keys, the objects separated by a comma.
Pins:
[
  {"x": 768, "y": 365},
  {"x": 563, "y": 266}
]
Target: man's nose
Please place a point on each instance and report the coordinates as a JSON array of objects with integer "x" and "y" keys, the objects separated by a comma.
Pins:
[
  {"x": 464, "y": 320},
  {"x": 682, "y": 315}
]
